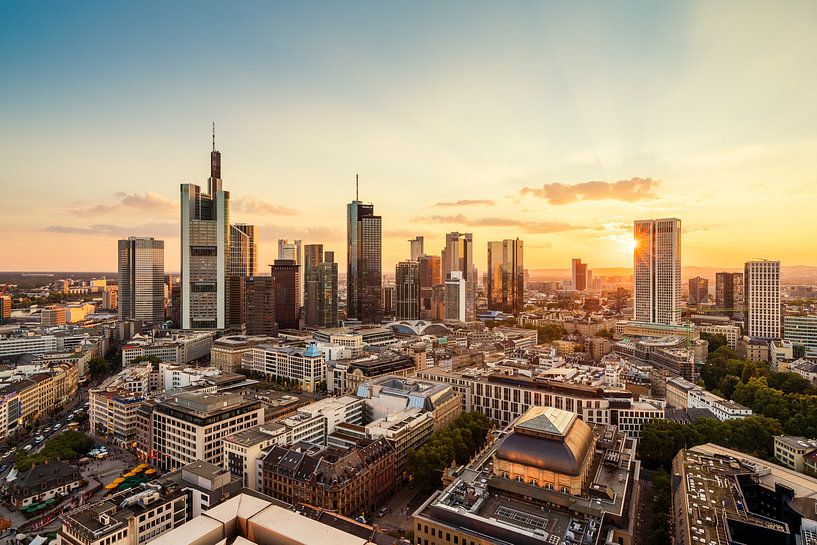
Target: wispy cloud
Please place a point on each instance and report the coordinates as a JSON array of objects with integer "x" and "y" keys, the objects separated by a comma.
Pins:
[
  {"x": 157, "y": 229},
  {"x": 253, "y": 205},
  {"x": 526, "y": 226},
  {"x": 146, "y": 202},
  {"x": 310, "y": 234},
  {"x": 632, "y": 190},
  {"x": 466, "y": 202}
]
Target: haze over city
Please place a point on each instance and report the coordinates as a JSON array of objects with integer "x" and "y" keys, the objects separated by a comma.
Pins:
[{"x": 557, "y": 124}]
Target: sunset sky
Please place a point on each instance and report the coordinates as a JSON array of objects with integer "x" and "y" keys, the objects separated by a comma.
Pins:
[{"x": 559, "y": 124}]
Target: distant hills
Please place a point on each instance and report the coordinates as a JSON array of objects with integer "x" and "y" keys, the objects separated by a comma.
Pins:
[{"x": 794, "y": 274}]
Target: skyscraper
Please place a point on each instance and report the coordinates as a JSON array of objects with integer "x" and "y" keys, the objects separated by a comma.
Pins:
[
  {"x": 294, "y": 251},
  {"x": 243, "y": 250},
  {"x": 328, "y": 291},
  {"x": 506, "y": 276},
  {"x": 698, "y": 291},
  {"x": 364, "y": 281},
  {"x": 313, "y": 257},
  {"x": 657, "y": 271},
  {"x": 458, "y": 255},
  {"x": 285, "y": 274},
  {"x": 416, "y": 248},
  {"x": 429, "y": 272},
  {"x": 141, "y": 279},
  {"x": 762, "y": 299},
  {"x": 455, "y": 295},
  {"x": 259, "y": 304},
  {"x": 579, "y": 274},
  {"x": 730, "y": 297},
  {"x": 205, "y": 251},
  {"x": 407, "y": 280}
]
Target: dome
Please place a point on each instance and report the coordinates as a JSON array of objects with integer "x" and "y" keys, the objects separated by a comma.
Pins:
[{"x": 548, "y": 439}]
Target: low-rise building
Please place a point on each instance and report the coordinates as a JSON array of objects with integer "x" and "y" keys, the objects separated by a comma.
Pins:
[
  {"x": 749, "y": 348},
  {"x": 404, "y": 430},
  {"x": 723, "y": 409},
  {"x": 227, "y": 351},
  {"x": 176, "y": 347},
  {"x": 43, "y": 482},
  {"x": 791, "y": 450},
  {"x": 344, "y": 376},
  {"x": 305, "y": 366},
  {"x": 388, "y": 394}
]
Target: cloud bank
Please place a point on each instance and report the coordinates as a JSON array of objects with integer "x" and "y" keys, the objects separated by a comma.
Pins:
[
  {"x": 632, "y": 190},
  {"x": 466, "y": 202}
]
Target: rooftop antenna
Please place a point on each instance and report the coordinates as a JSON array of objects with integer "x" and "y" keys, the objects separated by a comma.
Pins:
[
  {"x": 214, "y": 136},
  {"x": 357, "y": 189}
]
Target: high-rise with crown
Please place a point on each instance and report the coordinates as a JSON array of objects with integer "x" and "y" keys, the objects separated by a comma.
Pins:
[
  {"x": 364, "y": 280},
  {"x": 657, "y": 271},
  {"x": 205, "y": 251},
  {"x": 141, "y": 279},
  {"x": 506, "y": 276}
]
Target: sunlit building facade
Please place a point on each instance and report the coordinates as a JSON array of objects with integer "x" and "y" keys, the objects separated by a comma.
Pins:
[{"x": 657, "y": 271}]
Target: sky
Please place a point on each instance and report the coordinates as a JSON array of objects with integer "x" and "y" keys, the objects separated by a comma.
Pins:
[{"x": 556, "y": 122}]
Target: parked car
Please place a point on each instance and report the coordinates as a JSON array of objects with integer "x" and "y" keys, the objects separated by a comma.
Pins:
[
  {"x": 27, "y": 448},
  {"x": 39, "y": 438},
  {"x": 57, "y": 426}
]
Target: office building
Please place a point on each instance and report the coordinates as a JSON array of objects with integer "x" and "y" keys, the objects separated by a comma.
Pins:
[
  {"x": 347, "y": 481},
  {"x": 259, "y": 306},
  {"x": 429, "y": 272},
  {"x": 730, "y": 297},
  {"x": 205, "y": 251},
  {"x": 762, "y": 283},
  {"x": 174, "y": 348},
  {"x": 141, "y": 279},
  {"x": 389, "y": 299},
  {"x": 364, "y": 282},
  {"x": 723, "y": 497},
  {"x": 456, "y": 293},
  {"x": 506, "y": 276},
  {"x": 458, "y": 255},
  {"x": 698, "y": 291},
  {"x": 305, "y": 366},
  {"x": 53, "y": 315},
  {"x": 243, "y": 250},
  {"x": 313, "y": 257},
  {"x": 285, "y": 277},
  {"x": 5, "y": 308},
  {"x": 191, "y": 426},
  {"x": 657, "y": 271},
  {"x": 801, "y": 330},
  {"x": 416, "y": 248},
  {"x": 294, "y": 251},
  {"x": 579, "y": 274},
  {"x": 327, "y": 291},
  {"x": 407, "y": 288}
]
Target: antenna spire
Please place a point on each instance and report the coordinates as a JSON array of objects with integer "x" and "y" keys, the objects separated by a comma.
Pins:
[
  {"x": 214, "y": 136},
  {"x": 357, "y": 189}
]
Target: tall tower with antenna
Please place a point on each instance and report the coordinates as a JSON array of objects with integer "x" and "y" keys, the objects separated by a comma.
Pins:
[{"x": 364, "y": 268}]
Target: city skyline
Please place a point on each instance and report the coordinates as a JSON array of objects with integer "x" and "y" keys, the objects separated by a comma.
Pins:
[{"x": 537, "y": 134}]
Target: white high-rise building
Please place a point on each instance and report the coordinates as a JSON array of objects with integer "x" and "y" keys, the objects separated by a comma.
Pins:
[
  {"x": 416, "y": 248},
  {"x": 141, "y": 279},
  {"x": 657, "y": 271},
  {"x": 294, "y": 250},
  {"x": 243, "y": 250},
  {"x": 205, "y": 251},
  {"x": 762, "y": 285},
  {"x": 455, "y": 296}
]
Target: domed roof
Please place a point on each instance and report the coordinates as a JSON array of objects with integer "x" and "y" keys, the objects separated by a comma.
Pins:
[{"x": 548, "y": 439}]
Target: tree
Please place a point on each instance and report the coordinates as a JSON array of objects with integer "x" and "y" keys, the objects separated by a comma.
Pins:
[
  {"x": 715, "y": 341},
  {"x": 98, "y": 367}
]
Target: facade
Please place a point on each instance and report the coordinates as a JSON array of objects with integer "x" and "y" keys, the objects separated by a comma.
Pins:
[
  {"x": 404, "y": 430},
  {"x": 306, "y": 366},
  {"x": 762, "y": 279},
  {"x": 579, "y": 274},
  {"x": 327, "y": 291},
  {"x": 347, "y": 481},
  {"x": 141, "y": 279},
  {"x": 227, "y": 351},
  {"x": 43, "y": 482},
  {"x": 801, "y": 330},
  {"x": 313, "y": 258},
  {"x": 205, "y": 252},
  {"x": 5, "y": 308},
  {"x": 723, "y": 409},
  {"x": 252, "y": 305},
  {"x": 174, "y": 348},
  {"x": 791, "y": 450},
  {"x": 657, "y": 271},
  {"x": 285, "y": 275},
  {"x": 458, "y": 256},
  {"x": 190, "y": 427},
  {"x": 506, "y": 276},
  {"x": 407, "y": 288},
  {"x": 416, "y": 249},
  {"x": 730, "y": 295},
  {"x": 698, "y": 291},
  {"x": 243, "y": 250},
  {"x": 364, "y": 282},
  {"x": 53, "y": 315},
  {"x": 387, "y": 394},
  {"x": 429, "y": 271}
]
